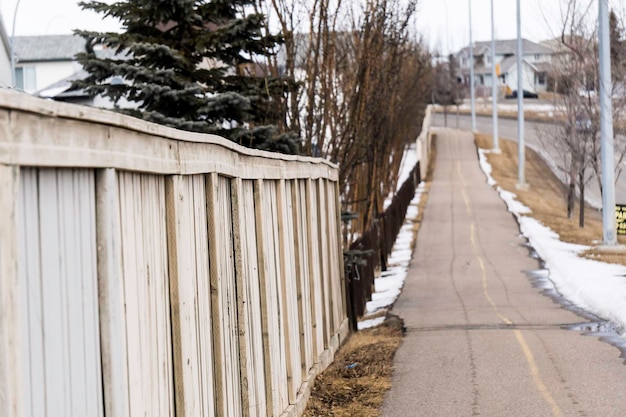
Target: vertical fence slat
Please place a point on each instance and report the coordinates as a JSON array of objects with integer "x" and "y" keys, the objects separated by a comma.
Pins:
[
  {"x": 289, "y": 291},
  {"x": 11, "y": 343},
  {"x": 223, "y": 297},
  {"x": 275, "y": 305},
  {"x": 238, "y": 223},
  {"x": 189, "y": 281},
  {"x": 315, "y": 271},
  {"x": 146, "y": 291},
  {"x": 111, "y": 293},
  {"x": 325, "y": 265},
  {"x": 250, "y": 310},
  {"x": 263, "y": 225},
  {"x": 30, "y": 280},
  {"x": 300, "y": 214}
]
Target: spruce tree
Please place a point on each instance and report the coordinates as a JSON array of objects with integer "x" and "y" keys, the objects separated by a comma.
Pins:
[{"x": 190, "y": 64}]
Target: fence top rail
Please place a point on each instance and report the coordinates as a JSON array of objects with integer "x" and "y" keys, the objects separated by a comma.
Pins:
[{"x": 37, "y": 132}]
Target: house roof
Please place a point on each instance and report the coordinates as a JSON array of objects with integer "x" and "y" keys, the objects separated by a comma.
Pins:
[
  {"x": 509, "y": 47},
  {"x": 48, "y": 47}
]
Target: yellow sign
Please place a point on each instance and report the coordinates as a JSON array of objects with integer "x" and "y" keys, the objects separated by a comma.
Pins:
[
  {"x": 498, "y": 70},
  {"x": 620, "y": 218}
]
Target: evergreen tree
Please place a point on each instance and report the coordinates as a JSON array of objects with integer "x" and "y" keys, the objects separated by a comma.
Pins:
[{"x": 190, "y": 64}]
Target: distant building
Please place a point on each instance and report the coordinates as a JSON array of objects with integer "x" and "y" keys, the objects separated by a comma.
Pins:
[
  {"x": 536, "y": 63},
  {"x": 44, "y": 60}
]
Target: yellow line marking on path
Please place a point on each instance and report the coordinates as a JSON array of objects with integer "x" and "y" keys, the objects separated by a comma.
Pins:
[{"x": 530, "y": 358}]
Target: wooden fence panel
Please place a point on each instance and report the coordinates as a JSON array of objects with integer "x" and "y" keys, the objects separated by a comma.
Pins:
[
  {"x": 275, "y": 305},
  {"x": 147, "y": 295},
  {"x": 336, "y": 257},
  {"x": 322, "y": 224},
  {"x": 301, "y": 243},
  {"x": 12, "y": 344},
  {"x": 289, "y": 288},
  {"x": 154, "y": 272},
  {"x": 190, "y": 292},
  {"x": 59, "y": 298},
  {"x": 224, "y": 297},
  {"x": 251, "y": 311},
  {"x": 315, "y": 268}
]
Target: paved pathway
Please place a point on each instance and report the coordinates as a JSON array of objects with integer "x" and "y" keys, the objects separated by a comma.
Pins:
[{"x": 481, "y": 340}]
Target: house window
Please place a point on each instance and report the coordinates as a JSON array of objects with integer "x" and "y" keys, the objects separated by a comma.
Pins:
[
  {"x": 537, "y": 57},
  {"x": 541, "y": 78},
  {"x": 26, "y": 78}
]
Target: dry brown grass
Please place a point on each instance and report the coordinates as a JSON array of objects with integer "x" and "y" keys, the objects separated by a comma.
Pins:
[
  {"x": 356, "y": 382},
  {"x": 546, "y": 198}
]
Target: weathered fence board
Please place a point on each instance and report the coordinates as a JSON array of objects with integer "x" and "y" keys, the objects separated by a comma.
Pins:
[
  {"x": 111, "y": 294},
  {"x": 315, "y": 269},
  {"x": 191, "y": 304},
  {"x": 58, "y": 278},
  {"x": 146, "y": 294}
]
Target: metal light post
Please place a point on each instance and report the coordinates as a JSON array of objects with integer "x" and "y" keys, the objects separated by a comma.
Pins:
[
  {"x": 494, "y": 84},
  {"x": 471, "y": 62},
  {"x": 521, "y": 179},
  {"x": 606, "y": 128},
  {"x": 12, "y": 45}
]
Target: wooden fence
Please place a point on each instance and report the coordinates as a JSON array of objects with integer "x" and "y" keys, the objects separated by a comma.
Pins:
[{"x": 146, "y": 271}]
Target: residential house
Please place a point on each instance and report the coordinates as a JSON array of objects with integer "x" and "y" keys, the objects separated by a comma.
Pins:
[
  {"x": 536, "y": 63},
  {"x": 44, "y": 60},
  {"x": 5, "y": 56}
]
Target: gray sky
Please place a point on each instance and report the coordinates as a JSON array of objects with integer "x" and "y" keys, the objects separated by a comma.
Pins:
[{"x": 443, "y": 23}]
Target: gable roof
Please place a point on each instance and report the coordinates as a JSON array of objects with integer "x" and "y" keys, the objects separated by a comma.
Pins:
[
  {"x": 509, "y": 47},
  {"x": 48, "y": 47}
]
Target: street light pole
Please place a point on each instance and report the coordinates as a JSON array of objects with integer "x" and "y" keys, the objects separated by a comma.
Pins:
[
  {"x": 521, "y": 180},
  {"x": 12, "y": 45},
  {"x": 606, "y": 128},
  {"x": 494, "y": 84},
  {"x": 471, "y": 62}
]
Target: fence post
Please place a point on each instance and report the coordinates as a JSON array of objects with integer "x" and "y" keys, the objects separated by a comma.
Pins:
[
  {"x": 111, "y": 294},
  {"x": 10, "y": 343}
]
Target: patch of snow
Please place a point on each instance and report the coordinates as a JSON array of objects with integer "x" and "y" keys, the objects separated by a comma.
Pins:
[
  {"x": 367, "y": 324},
  {"x": 596, "y": 287},
  {"x": 388, "y": 285}
]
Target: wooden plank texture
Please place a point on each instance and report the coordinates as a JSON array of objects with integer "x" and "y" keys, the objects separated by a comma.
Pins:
[
  {"x": 59, "y": 280},
  {"x": 191, "y": 306},
  {"x": 224, "y": 298},
  {"x": 146, "y": 292},
  {"x": 289, "y": 291},
  {"x": 301, "y": 213},
  {"x": 111, "y": 294},
  {"x": 12, "y": 344},
  {"x": 275, "y": 305},
  {"x": 315, "y": 270},
  {"x": 252, "y": 310}
]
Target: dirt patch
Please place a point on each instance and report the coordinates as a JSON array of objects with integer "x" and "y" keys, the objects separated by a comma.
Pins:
[
  {"x": 356, "y": 382},
  {"x": 546, "y": 198}
]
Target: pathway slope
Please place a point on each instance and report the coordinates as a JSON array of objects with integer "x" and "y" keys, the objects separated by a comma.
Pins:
[{"x": 481, "y": 340}]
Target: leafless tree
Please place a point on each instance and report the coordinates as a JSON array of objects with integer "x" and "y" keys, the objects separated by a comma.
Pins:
[
  {"x": 575, "y": 79},
  {"x": 364, "y": 83}
]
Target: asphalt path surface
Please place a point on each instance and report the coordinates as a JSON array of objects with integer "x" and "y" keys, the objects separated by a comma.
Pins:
[
  {"x": 540, "y": 137},
  {"x": 481, "y": 340}
]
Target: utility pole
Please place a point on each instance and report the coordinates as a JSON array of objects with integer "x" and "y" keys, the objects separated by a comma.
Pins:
[
  {"x": 12, "y": 44},
  {"x": 494, "y": 84},
  {"x": 606, "y": 128},
  {"x": 471, "y": 62},
  {"x": 521, "y": 179}
]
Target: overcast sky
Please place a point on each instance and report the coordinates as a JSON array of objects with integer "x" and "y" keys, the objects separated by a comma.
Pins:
[{"x": 443, "y": 23}]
